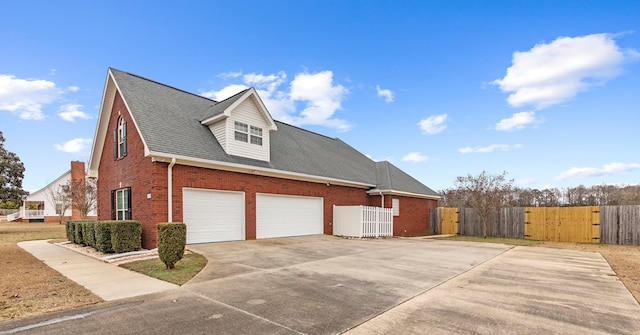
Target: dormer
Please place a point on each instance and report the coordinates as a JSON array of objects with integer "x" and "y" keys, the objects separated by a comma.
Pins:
[{"x": 242, "y": 125}]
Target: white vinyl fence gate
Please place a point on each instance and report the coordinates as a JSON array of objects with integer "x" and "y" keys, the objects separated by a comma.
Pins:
[{"x": 362, "y": 221}]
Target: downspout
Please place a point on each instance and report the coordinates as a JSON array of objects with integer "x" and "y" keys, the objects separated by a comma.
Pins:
[
  {"x": 382, "y": 197},
  {"x": 170, "y": 190}
]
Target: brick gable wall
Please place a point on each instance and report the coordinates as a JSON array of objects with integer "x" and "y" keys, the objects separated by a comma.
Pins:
[{"x": 135, "y": 171}]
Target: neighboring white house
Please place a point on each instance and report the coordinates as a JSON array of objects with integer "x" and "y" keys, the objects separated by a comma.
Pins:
[{"x": 44, "y": 208}]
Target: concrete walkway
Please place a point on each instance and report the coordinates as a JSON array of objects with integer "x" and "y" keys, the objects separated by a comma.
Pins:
[{"x": 108, "y": 281}]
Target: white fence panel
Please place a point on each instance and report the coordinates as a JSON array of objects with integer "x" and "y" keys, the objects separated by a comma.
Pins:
[
  {"x": 362, "y": 221},
  {"x": 13, "y": 217}
]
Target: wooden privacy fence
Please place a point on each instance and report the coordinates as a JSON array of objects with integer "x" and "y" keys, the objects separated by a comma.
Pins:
[
  {"x": 587, "y": 224},
  {"x": 620, "y": 224},
  {"x": 563, "y": 224}
]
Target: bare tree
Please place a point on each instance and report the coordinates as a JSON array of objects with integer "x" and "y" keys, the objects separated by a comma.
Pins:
[
  {"x": 60, "y": 199},
  {"x": 83, "y": 195},
  {"x": 485, "y": 193}
]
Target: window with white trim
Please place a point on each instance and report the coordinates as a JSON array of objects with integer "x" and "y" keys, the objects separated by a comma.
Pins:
[
  {"x": 248, "y": 134},
  {"x": 242, "y": 132},
  {"x": 256, "y": 135},
  {"x": 395, "y": 204},
  {"x": 122, "y": 204},
  {"x": 120, "y": 139}
]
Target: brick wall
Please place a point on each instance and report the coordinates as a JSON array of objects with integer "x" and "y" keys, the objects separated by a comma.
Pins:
[
  {"x": 187, "y": 176},
  {"x": 414, "y": 215},
  {"x": 77, "y": 174},
  {"x": 133, "y": 170},
  {"x": 147, "y": 177}
]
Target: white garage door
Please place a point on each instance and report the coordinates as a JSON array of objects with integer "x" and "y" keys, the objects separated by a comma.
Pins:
[
  {"x": 213, "y": 216},
  {"x": 279, "y": 216}
]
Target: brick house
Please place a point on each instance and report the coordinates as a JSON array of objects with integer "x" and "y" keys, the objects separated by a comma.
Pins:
[{"x": 231, "y": 172}]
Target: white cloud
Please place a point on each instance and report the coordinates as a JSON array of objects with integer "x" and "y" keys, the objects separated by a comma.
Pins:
[
  {"x": 551, "y": 73},
  {"x": 490, "y": 148},
  {"x": 316, "y": 92},
  {"x": 433, "y": 124},
  {"x": 586, "y": 172},
  {"x": 74, "y": 146},
  {"x": 73, "y": 88},
  {"x": 225, "y": 92},
  {"x": 546, "y": 187},
  {"x": 71, "y": 112},
  {"x": 230, "y": 74},
  {"x": 26, "y": 97},
  {"x": 322, "y": 99},
  {"x": 414, "y": 157},
  {"x": 387, "y": 94},
  {"x": 517, "y": 121}
]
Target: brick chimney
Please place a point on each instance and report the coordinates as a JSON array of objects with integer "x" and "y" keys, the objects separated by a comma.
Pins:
[{"x": 77, "y": 174}]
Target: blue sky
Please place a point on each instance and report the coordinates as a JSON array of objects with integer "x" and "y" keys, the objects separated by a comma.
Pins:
[{"x": 547, "y": 91}]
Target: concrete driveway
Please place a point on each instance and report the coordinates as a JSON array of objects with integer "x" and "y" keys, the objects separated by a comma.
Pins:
[{"x": 328, "y": 285}]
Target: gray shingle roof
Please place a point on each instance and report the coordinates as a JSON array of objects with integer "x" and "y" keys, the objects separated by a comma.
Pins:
[
  {"x": 390, "y": 177},
  {"x": 169, "y": 122}
]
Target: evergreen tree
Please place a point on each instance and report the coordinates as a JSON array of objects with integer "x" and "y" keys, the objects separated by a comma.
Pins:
[{"x": 11, "y": 175}]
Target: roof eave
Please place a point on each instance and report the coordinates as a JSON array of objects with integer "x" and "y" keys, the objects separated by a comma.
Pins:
[
  {"x": 255, "y": 170},
  {"x": 376, "y": 191}
]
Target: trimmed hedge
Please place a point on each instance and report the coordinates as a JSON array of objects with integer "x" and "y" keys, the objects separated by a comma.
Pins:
[
  {"x": 88, "y": 232},
  {"x": 81, "y": 232},
  {"x": 103, "y": 236},
  {"x": 172, "y": 239},
  {"x": 70, "y": 229},
  {"x": 126, "y": 236},
  {"x": 77, "y": 227}
]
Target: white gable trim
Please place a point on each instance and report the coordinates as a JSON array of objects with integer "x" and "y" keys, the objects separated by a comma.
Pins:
[
  {"x": 102, "y": 131},
  {"x": 227, "y": 112},
  {"x": 250, "y": 169}
]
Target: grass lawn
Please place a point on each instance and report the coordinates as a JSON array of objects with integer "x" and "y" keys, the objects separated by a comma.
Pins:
[
  {"x": 28, "y": 286},
  {"x": 183, "y": 271}
]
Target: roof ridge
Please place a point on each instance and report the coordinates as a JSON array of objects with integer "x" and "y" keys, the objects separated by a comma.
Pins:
[
  {"x": 162, "y": 84},
  {"x": 241, "y": 92}
]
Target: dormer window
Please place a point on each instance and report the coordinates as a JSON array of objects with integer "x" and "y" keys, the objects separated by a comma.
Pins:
[
  {"x": 256, "y": 135},
  {"x": 248, "y": 134},
  {"x": 242, "y": 132}
]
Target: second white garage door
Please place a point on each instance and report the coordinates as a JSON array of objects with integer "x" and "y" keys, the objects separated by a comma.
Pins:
[
  {"x": 213, "y": 216},
  {"x": 280, "y": 216}
]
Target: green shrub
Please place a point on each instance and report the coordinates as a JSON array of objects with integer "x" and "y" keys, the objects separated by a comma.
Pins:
[
  {"x": 70, "y": 229},
  {"x": 172, "y": 238},
  {"x": 103, "y": 236},
  {"x": 126, "y": 236},
  {"x": 88, "y": 232},
  {"x": 77, "y": 227}
]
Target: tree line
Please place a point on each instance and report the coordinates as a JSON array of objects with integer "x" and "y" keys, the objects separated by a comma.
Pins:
[{"x": 509, "y": 195}]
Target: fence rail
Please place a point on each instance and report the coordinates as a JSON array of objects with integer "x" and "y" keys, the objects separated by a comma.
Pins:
[{"x": 586, "y": 224}]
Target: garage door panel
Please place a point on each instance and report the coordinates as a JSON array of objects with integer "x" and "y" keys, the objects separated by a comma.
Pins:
[
  {"x": 281, "y": 216},
  {"x": 213, "y": 216}
]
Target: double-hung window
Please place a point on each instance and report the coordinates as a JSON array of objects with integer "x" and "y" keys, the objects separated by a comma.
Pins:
[
  {"x": 247, "y": 134},
  {"x": 256, "y": 135},
  {"x": 242, "y": 132},
  {"x": 121, "y": 202}
]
